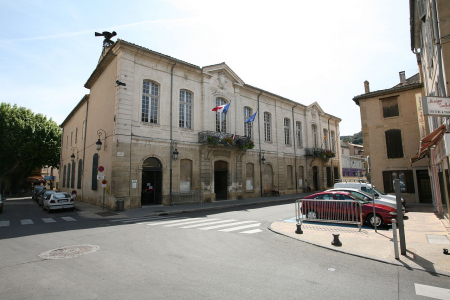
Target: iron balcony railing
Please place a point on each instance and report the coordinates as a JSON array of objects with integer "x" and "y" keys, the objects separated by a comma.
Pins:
[
  {"x": 319, "y": 152},
  {"x": 215, "y": 138}
]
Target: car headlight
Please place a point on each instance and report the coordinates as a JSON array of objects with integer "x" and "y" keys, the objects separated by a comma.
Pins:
[{"x": 393, "y": 213}]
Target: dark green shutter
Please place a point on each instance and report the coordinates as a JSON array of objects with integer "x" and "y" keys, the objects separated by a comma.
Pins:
[
  {"x": 387, "y": 182},
  {"x": 94, "y": 171}
]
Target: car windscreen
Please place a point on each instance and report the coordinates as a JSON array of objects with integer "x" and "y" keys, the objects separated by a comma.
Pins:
[{"x": 61, "y": 195}]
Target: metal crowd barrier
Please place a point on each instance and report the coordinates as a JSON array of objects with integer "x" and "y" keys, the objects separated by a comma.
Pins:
[
  {"x": 330, "y": 211},
  {"x": 187, "y": 197}
]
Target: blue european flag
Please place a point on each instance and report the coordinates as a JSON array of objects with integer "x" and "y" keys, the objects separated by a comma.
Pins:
[{"x": 252, "y": 118}]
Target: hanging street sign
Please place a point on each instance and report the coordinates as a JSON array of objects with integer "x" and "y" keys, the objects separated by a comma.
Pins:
[{"x": 436, "y": 106}]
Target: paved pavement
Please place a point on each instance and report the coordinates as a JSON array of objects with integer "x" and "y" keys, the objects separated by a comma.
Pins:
[{"x": 426, "y": 234}]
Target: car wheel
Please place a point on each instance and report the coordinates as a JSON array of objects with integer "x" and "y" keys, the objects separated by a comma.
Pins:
[
  {"x": 49, "y": 210},
  {"x": 312, "y": 214},
  {"x": 372, "y": 220}
]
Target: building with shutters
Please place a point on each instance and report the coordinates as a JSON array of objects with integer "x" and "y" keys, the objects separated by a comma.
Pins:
[
  {"x": 160, "y": 142},
  {"x": 393, "y": 124}
]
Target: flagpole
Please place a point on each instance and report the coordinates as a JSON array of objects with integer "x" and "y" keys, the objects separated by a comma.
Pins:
[{"x": 259, "y": 137}]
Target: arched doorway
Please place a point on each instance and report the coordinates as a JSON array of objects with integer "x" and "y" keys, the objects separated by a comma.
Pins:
[
  {"x": 151, "y": 189},
  {"x": 221, "y": 179},
  {"x": 268, "y": 178},
  {"x": 315, "y": 178}
]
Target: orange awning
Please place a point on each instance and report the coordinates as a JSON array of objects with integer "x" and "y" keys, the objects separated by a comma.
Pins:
[
  {"x": 428, "y": 141},
  {"x": 35, "y": 178}
]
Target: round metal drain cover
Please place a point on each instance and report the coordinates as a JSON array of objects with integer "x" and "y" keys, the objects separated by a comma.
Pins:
[{"x": 68, "y": 252}]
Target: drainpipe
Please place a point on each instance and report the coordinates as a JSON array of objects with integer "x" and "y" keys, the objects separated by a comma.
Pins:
[
  {"x": 171, "y": 132},
  {"x": 84, "y": 147},
  {"x": 438, "y": 44},
  {"x": 295, "y": 153},
  {"x": 259, "y": 137}
]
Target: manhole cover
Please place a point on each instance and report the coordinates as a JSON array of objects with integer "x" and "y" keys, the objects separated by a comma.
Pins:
[
  {"x": 68, "y": 252},
  {"x": 106, "y": 213}
]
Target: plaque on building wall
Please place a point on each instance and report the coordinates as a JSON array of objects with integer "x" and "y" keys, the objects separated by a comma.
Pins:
[{"x": 436, "y": 106}]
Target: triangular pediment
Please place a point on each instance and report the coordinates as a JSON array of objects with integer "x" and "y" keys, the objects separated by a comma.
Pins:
[
  {"x": 226, "y": 70},
  {"x": 315, "y": 106}
]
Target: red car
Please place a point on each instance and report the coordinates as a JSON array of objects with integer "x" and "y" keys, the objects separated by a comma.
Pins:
[{"x": 384, "y": 214}]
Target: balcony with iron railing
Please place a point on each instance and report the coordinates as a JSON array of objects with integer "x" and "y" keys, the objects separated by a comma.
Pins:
[
  {"x": 319, "y": 152},
  {"x": 214, "y": 138}
]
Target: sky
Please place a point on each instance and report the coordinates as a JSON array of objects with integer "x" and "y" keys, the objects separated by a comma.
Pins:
[{"x": 306, "y": 51}]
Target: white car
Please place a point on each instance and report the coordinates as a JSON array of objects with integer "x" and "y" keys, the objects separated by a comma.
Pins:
[
  {"x": 59, "y": 201},
  {"x": 365, "y": 187},
  {"x": 366, "y": 196}
]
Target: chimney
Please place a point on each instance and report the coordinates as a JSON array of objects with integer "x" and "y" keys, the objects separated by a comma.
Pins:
[
  {"x": 402, "y": 77},
  {"x": 366, "y": 87}
]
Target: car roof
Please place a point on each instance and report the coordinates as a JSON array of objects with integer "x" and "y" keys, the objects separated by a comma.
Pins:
[{"x": 344, "y": 188}]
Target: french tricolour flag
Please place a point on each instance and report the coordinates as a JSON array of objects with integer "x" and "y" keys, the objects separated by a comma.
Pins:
[{"x": 222, "y": 109}]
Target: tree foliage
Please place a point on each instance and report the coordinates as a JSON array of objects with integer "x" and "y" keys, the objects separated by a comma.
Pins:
[
  {"x": 357, "y": 138},
  {"x": 27, "y": 141}
]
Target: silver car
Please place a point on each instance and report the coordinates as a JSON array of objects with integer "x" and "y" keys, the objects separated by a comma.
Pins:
[
  {"x": 45, "y": 195},
  {"x": 59, "y": 201}
]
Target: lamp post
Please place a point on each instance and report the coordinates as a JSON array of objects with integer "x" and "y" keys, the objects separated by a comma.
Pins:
[
  {"x": 99, "y": 142},
  {"x": 263, "y": 159},
  {"x": 175, "y": 152}
]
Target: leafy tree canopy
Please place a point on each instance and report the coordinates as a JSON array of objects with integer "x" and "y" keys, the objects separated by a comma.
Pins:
[
  {"x": 357, "y": 138},
  {"x": 27, "y": 141}
]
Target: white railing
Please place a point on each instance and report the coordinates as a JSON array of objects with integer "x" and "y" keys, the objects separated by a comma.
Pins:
[{"x": 330, "y": 211}]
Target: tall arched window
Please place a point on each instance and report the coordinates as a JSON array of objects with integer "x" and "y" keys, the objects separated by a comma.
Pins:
[
  {"x": 80, "y": 172},
  {"x": 267, "y": 125},
  {"x": 314, "y": 135},
  {"x": 247, "y": 126},
  {"x": 64, "y": 177},
  {"x": 221, "y": 119},
  {"x": 287, "y": 131},
  {"x": 185, "y": 175},
  {"x": 68, "y": 175},
  {"x": 94, "y": 171},
  {"x": 150, "y": 102},
  {"x": 299, "y": 134},
  {"x": 185, "y": 109}
]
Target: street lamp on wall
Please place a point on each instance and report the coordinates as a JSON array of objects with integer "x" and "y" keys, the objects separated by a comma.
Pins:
[
  {"x": 263, "y": 160},
  {"x": 175, "y": 152},
  {"x": 99, "y": 142},
  {"x": 72, "y": 157}
]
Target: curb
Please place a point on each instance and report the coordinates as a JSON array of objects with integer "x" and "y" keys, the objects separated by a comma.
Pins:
[{"x": 386, "y": 261}]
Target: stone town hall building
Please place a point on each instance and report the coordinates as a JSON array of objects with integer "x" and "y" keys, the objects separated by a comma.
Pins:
[{"x": 164, "y": 109}]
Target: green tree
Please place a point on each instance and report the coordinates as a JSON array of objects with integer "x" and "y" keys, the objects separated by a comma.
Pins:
[{"x": 27, "y": 141}]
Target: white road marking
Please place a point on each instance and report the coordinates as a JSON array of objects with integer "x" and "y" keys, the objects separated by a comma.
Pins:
[
  {"x": 70, "y": 219},
  {"x": 26, "y": 222},
  {"x": 432, "y": 291},
  {"x": 130, "y": 220},
  {"x": 251, "y": 231},
  {"x": 175, "y": 221},
  {"x": 240, "y": 227},
  {"x": 48, "y": 220},
  {"x": 190, "y": 222},
  {"x": 226, "y": 225},
  {"x": 209, "y": 223},
  {"x": 4, "y": 223}
]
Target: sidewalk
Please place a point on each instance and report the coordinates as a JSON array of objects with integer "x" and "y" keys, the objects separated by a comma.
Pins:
[{"x": 425, "y": 236}]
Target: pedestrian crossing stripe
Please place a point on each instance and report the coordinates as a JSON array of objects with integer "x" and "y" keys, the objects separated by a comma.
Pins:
[
  {"x": 31, "y": 222},
  {"x": 26, "y": 222},
  {"x": 226, "y": 225},
  {"x": 189, "y": 222},
  {"x": 209, "y": 223},
  {"x": 240, "y": 227},
  {"x": 432, "y": 291},
  {"x": 4, "y": 223}
]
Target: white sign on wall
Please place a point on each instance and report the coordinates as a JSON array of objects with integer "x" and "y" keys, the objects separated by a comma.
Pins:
[{"x": 436, "y": 106}]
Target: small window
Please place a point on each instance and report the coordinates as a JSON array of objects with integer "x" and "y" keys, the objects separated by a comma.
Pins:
[
  {"x": 394, "y": 144},
  {"x": 390, "y": 107},
  {"x": 287, "y": 131}
]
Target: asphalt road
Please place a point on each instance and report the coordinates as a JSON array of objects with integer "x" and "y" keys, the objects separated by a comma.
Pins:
[{"x": 188, "y": 256}]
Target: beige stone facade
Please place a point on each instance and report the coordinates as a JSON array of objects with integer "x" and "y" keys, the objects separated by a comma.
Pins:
[
  {"x": 133, "y": 123},
  {"x": 392, "y": 126}
]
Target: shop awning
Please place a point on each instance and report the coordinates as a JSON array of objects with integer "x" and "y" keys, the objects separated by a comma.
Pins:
[
  {"x": 35, "y": 178},
  {"x": 428, "y": 141}
]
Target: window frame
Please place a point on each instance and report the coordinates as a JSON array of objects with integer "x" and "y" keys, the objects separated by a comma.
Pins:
[
  {"x": 221, "y": 119},
  {"x": 152, "y": 105},
  {"x": 394, "y": 148},
  {"x": 248, "y": 112},
  {"x": 299, "y": 134},
  {"x": 314, "y": 135},
  {"x": 185, "y": 109},
  {"x": 267, "y": 127},
  {"x": 287, "y": 131}
]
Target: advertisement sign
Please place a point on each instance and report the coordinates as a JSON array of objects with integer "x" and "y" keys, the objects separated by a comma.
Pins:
[
  {"x": 421, "y": 117},
  {"x": 436, "y": 106}
]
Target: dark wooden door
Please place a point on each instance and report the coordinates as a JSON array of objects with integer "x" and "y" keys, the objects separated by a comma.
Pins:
[{"x": 424, "y": 186}]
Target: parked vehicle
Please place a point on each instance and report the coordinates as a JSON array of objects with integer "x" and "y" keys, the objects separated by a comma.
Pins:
[
  {"x": 365, "y": 187},
  {"x": 383, "y": 214},
  {"x": 1, "y": 203},
  {"x": 45, "y": 195},
  {"x": 368, "y": 197},
  {"x": 59, "y": 201},
  {"x": 38, "y": 191}
]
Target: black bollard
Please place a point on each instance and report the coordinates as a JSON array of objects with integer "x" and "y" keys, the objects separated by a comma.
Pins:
[
  {"x": 299, "y": 229},
  {"x": 336, "y": 241}
]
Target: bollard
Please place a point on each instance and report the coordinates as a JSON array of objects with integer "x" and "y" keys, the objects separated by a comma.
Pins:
[
  {"x": 336, "y": 241},
  {"x": 299, "y": 229},
  {"x": 446, "y": 252}
]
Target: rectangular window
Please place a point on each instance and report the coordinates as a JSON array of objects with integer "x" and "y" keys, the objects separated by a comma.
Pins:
[
  {"x": 394, "y": 144},
  {"x": 150, "y": 101},
  {"x": 287, "y": 131},
  {"x": 325, "y": 138},
  {"x": 71, "y": 138},
  {"x": 267, "y": 136},
  {"x": 314, "y": 131},
  {"x": 76, "y": 134},
  {"x": 185, "y": 109},
  {"x": 299, "y": 134},
  {"x": 221, "y": 119},
  {"x": 390, "y": 107},
  {"x": 405, "y": 177},
  {"x": 247, "y": 126}
]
